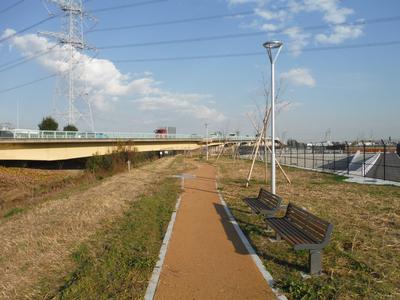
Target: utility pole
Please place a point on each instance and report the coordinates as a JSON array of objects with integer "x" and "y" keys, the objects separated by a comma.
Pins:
[
  {"x": 70, "y": 84},
  {"x": 270, "y": 46}
]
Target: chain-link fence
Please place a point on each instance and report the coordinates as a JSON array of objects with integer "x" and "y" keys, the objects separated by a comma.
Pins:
[
  {"x": 378, "y": 161},
  {"x": 372, "y": 161}
]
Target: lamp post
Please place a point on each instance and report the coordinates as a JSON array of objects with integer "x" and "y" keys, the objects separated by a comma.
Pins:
[
  {"x": 270, "y": 46},
  {"x": 206, "y": 125}
]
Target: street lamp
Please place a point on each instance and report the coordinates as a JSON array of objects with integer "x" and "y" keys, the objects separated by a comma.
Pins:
[
  {"x": 270, "y": 46},
  {"x": 206, "y": 125}
]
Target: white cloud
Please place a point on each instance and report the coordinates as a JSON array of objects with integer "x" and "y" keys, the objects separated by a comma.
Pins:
[
  {"x": 184, "y": 104},
  {"x": 236, "y": 2},
  {"x": 273, "y": 16},
  {"x": 299, "y": 77},
  {"x": 285, "y": 105},
  {"x": 269, "y": 15},
  {"x": 298, "y": 39},
  {"x": 340, "y": 34},
  {"x": 332, "y": 13},
  {"x": 105, "y": 83}
]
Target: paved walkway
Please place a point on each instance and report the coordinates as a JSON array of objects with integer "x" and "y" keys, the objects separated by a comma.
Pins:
[{"x": 206, "y": 258}]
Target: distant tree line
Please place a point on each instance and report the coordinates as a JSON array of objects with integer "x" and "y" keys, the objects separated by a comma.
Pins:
[
  {"x": 49, "y": 123},
  {"x": 292, "y": 143}
]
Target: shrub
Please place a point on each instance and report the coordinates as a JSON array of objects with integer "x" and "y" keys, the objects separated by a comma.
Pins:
[
  {"x": 70, "y": 127},
  {"x": 48, "y": 123},
  {"x": 115, "y": 162}
]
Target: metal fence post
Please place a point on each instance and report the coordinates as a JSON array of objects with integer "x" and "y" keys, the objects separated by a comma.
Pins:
[
  {"x": 323, "y": 156},
  {"x": 348, "y": 158},
  {"x": 363, "y": 169},
  {"x": 285, "y": 154},
  {"x": 313, "y": 160},
  {"x": 304, "y": 155},
  {"x": 384, "y": 160},
  {"x": 290, "y": 155},
  {"x": 334, "y": 159},
  {"x": 297, "y": 153}
]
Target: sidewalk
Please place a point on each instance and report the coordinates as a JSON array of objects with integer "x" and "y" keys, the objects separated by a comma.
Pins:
[{"x": 206, "y": 258}]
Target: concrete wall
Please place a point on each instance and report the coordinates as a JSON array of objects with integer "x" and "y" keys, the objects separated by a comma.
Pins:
[{"x": 61, "y": 150}]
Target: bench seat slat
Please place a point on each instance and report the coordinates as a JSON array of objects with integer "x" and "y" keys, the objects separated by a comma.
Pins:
[
  {"x": 313, "y": 230},
  {"x": 290, "y": 232},
  {"x": 306, "y": 221},
  {"x": 303, "y": 231},
  {"x": 266, "y": 203},
  {"x": 301, "y": 211},
  {"x": 256, "y": 205}
]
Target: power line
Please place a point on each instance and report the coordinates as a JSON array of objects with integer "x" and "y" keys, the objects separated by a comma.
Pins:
[
  {"x": 28, "y": 83},
  {"x": 316, "y": 49},
  {"x": 180, "y": 21},
  {"x": 259, "y": 53},
  {"x": 179, "y": 41},
  {"x": 11, "y": 6},
  {"x": 241, "y": 35},
  {"x": 239, "y": 14},
  {"x": 6, "y": 38},
  {"x": 142, "y": 3},
  {"x": 25, "y": 60},
  {"x": 27, "y": 28}
]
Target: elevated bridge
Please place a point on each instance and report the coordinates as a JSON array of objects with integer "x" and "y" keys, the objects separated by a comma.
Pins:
[{"x": 35, "y": 145}]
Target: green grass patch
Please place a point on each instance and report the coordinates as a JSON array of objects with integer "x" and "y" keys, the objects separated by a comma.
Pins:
[
  {"x": 118, "y": 261},
  {"x": 13, "y": 211},
  {"x": 360, "y": 262}
]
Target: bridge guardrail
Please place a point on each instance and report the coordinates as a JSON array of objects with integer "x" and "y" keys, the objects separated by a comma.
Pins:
[{"x": 71, "y": 135}]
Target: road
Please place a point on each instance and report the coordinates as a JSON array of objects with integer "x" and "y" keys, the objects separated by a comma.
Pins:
[{"x": 391, "y": 170}]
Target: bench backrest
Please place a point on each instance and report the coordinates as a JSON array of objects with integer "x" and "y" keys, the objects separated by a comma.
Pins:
[
  {"x": 318, "y": 229},
  {"x": 271, "y": 200}
]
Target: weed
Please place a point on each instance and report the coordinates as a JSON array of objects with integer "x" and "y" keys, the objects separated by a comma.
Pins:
[
  {"x": 13, "y": 211},
  {"x": 117, "y": 262},
  {"x": 360, "y": 261}
]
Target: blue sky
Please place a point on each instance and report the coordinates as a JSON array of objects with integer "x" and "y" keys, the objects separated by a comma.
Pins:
[{"x": 352, "y": 92}]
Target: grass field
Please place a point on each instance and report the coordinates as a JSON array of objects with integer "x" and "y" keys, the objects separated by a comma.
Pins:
[
  {"x": 53, "y": 248},
  {"x": 21, "y": 188},
  {"x": 117, "y": 262},
  {"x": 362, "y": 260}
]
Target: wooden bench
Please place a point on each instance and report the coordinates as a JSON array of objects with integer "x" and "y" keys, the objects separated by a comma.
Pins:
[
  {"x": 266, "y": 203},
  {"x": 304, "y": 231}
]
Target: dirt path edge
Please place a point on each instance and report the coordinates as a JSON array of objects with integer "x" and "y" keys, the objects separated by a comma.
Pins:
[{"x": 260, "y": 266}]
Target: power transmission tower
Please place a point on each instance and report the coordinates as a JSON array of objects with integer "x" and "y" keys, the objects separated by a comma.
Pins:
[{"x": 71, "y": 100}]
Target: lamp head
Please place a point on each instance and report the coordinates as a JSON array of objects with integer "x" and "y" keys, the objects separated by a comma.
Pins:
[{"x": 272, "y": 44}]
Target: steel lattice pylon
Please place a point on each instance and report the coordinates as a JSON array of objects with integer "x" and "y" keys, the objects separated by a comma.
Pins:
[{"x": 71, "y": 100}]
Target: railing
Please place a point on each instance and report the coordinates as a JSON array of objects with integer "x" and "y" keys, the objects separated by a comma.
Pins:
[
  {"x": 78, "y": 135},
  {"x": 47, "y": 134}
]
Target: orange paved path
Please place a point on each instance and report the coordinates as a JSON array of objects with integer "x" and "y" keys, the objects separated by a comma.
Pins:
[{"x": 206, "y": 258}]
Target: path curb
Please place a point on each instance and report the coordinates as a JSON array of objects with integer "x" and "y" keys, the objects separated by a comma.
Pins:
[
  {"x": 260, "y": 266},
  {"x": 155, "y": 276}
]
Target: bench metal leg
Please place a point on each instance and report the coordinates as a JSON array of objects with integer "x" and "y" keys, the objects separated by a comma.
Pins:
[
  {"x": 278, "y": 237},
  {"x": 315, "y": 262}
]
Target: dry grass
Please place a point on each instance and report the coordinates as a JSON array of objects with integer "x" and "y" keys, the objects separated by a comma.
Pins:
[
  {"x": 362, "y": 260},
  {"x": 39, "y": 242},
  {"x": 21, "y": 187}
]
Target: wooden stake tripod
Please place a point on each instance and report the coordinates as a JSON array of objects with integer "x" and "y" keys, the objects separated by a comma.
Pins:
[{"x": 257, "y": 147}]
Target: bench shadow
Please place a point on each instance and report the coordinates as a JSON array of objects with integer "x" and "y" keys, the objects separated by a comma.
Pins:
[
  {"x": 230, "y": 230},
  {"x": 241, "y": 249},
  {"x": 284, "y": 263},
  {"x": 241, "y": 210}
]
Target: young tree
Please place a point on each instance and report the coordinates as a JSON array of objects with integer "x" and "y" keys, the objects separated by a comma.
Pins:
[
  {"x": 48, "y": 123},
  {"x": 70, "y": 127}
]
